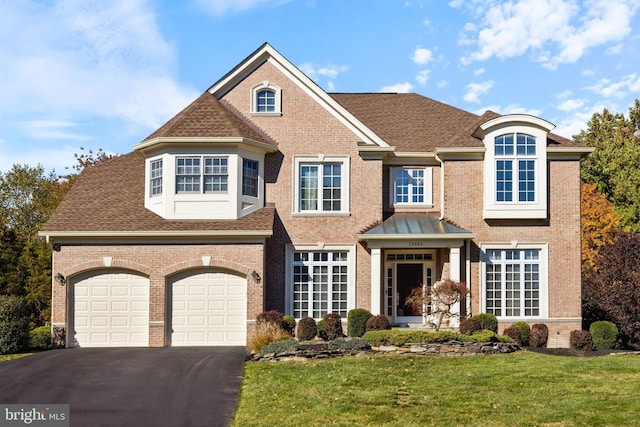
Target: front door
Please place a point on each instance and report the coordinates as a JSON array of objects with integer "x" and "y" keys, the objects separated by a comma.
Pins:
[
  {"x": 408, "y": 278},
  {"x": 405, "y": 272}
]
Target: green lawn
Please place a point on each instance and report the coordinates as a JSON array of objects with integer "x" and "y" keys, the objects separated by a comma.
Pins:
[
  {"x": 519, "y": 389},
  {"x": 5, "y": 357}
]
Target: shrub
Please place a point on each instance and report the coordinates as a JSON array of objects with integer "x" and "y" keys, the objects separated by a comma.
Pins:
[
  {"x": 580, "y": 340},
  {"x": 271, "y": 316},
  {"x": 321, "y": 330},
  {"x": 401, "y": 337},
  {"x": 378, "y": 322},
  {"x": 603, "y": 334},
  {"x": 525, "y": 331},
  {"x": 539, "y": 335},
  {"x": 469, "y": 326},
  {"x": 333, "y": 326},
  {"x": 487, "y": 321},
  {"x": 513, "y": 332},
  {"x": 306, "y": 329},
  {"x": 289, "y": 324},
  {"x": 14, "y": 325},
  {"x": 357, "y": 321},
  {"x": 285, "y": 346},
  {"x": 40, "y": 338},
  {"x": 348, "y": 344},
  {"x": 266, "y": 333}
]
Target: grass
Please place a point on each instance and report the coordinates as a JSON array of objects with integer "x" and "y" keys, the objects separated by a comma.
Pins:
[
  {"x": 5, "y": 357},
  {"x": 519, "y": 389}
]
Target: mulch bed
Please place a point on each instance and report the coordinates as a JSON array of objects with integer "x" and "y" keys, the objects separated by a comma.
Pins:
[{"x": 577, "y": 353}]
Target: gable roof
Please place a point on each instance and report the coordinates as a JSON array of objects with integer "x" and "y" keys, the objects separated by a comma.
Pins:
[{"x": 108, "y": 200}]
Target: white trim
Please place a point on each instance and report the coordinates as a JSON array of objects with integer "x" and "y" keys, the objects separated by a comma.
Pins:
[
  {"x": 543, "y": 272},
  {"x": 427, "y": 187},
  {"x": 345, "y": 188},
  {"x": 266, "y": 85},
  {"x": 182, "y": 141},
  {"x": 518, "y": 119}
]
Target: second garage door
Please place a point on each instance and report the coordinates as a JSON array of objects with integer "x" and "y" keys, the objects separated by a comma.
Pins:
[{"x": 208, "y": 308}]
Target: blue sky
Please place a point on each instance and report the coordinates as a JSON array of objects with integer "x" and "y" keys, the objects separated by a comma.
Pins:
[{"x": 107, "y": 73}]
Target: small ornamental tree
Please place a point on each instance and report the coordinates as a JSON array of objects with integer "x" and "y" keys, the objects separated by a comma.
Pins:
[{"x": 443, "y": 296}]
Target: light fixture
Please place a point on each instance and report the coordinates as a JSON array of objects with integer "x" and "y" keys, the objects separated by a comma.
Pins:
[
  {"x": 61, "y": 279},
  {"x": 256, "y": 276}
]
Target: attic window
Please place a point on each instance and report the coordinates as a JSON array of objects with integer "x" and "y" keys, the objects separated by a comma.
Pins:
[{"x": 265, "y": 100}]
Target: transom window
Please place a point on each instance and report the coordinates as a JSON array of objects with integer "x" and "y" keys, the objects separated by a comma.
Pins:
[
  {"x": 321, "y": 187},
  {"x": 320, "y": 283},
  {"x": 156, "y": 177},
  {"x": 515, "y": 155},
  {"x": 265, "y": 101},
  {"x": 249, "y": 178},
  {"x": 192, "y": 177},
  {"x": 513, "y": 282}
]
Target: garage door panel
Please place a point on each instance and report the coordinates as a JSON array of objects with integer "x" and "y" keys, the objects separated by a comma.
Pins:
[
  {"x": 201, "y": 312},
  {"x": 111, "y": 309}
]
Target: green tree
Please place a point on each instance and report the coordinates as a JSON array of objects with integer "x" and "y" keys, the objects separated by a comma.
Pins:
[{"x": 614, "y": 166}]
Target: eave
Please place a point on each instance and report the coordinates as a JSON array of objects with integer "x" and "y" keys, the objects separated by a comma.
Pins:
[{"x": 177, "y": 141}]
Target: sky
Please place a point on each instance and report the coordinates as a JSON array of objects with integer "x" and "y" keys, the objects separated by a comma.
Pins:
[{"x": 104, "y": 74}]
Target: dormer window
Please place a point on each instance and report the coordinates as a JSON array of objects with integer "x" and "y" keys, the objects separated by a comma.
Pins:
[
  {"x": 249, "y": 178},
  {"x": 265, "y": 100},
  {"x": 515, "y": 168},
  {"x": 191, "y": 179},
  {"x": 156, "y": 178}
]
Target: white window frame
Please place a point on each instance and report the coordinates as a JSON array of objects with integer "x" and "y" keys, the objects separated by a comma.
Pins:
[
  {"x": 543, "y": 272},
  {"x": 330, "y": 248},
  {"x": 201, "y": 173},
  {"x": 515, "y": 159},
  {"x": 321, "y": 160},
  {"x": 156, "y": 177},
  {"x": 427, "y": 187},
  {"x": 266, "y": 85}
]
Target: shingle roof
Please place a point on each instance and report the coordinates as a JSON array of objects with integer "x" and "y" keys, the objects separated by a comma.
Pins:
[
  {"x": 414, "y": 123},
  {"x": 109, "y": 197},
  {"x": 207, "y": 117}
]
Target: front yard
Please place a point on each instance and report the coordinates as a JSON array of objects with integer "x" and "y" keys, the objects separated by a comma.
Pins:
[{"x": 523, "y": 389}]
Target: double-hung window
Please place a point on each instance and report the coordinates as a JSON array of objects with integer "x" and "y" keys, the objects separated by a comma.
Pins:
[
  {"x": 321, "y": 186},
  {"x": 249, "y": 178},
  {"x": 156, "y": 177},
  {"x": 515, "y": 157},
  {"x": 411, "y": 186},
  {"x": 320, "y": 283},
  {"x": 515, "y": 282},
  {"x": 192, "y": 177}
]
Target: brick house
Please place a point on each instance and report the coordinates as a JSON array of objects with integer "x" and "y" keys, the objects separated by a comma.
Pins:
[{"x": 269, "y": 193}]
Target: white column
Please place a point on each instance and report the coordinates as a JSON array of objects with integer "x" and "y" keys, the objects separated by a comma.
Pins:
[
  {"x": 454, "y": 274},
  {"x": 376, "y": 284}
]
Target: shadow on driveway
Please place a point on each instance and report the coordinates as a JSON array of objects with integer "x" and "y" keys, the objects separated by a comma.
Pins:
[{"x": 194, "y": 386}]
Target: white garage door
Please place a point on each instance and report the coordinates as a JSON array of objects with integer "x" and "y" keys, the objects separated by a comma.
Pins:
[
  {"x": 111, "y": 309},
  {"x": 209, "y": 308}
]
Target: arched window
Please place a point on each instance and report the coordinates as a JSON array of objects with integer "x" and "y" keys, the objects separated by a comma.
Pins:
[{"x": 265, "y": 99}]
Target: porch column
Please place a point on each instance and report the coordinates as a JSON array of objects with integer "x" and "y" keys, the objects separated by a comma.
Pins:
[
  {"x": 454, "y": 274},
  {"x": 376, "y": 286}
]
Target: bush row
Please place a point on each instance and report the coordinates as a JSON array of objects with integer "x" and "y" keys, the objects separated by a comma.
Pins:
[
  {"x": 397, "y": 337},
  {"x": 602, "y": 335}
]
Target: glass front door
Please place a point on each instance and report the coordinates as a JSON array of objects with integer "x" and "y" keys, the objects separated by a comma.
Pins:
[{"x": 405, "y": 272}]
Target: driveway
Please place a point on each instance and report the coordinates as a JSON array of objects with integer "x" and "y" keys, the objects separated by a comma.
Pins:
[{"x": 188, "y": 386}]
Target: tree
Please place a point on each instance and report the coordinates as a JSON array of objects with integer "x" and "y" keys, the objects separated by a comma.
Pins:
[
  {"x": 600, "y": 222},
  {"x": 442, "y": 297},
  {"x": 611, "y": 291},
  {"x": 84, "y": 160},
  {"x": 614, "y": 166}
]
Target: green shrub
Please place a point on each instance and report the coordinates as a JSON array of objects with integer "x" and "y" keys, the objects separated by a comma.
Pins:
[
  {"x": 539, "y": 335},
  {"x": 402, "y": 337},
  {"x": 357, "y": 321},
  {"x": 321, "y": 330},
  {"x": 604, "y": 335},
  {"x": 487, "y": 321},
  {"x": 581, "y": 340},
  {"x": 271, "y": 316},
  {"x": 348, "y": 344},
  {"x": 285, "y": 346},
  {"x": 14, "y": 325},
  {"x": 289, "y": 323},
  {"x": 40, "y": 338},
  {"x": 306, "y": 329},
  {"x": 469, "y": 326},
  {"x": 525, "y": 331},
  {"x": 332, "y": 326},
  {"x": 378, "y": 322}
]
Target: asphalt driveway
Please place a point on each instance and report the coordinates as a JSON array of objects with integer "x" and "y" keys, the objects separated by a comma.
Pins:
[{"x": 195, "y": 386}]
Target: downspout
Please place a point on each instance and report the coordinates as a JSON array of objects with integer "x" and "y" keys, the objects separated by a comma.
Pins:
[
  {"x": 435, "y": 154},
  {"x": 467, "y": 278}
]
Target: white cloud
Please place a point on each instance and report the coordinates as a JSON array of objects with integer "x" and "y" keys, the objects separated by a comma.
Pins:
[
  {"x": 222, "y": 7},
  {"x": 52, "y": 129},
  {"x": 422, "y": 56},
  {"x": 442, "y": 83},
  {"x": 423, "y": 77},
  {"x": 608, "y": 89},
  {"x": 405, "y": 87},
  {"x": 474, "y": 90},
  {"x": 553, "y": 31},
  {"x": 478, "y": 72},
  {"x": 510, "y": 109},
  {"x": 571, "y": 104},
  {"x": 330, "y": 72}
]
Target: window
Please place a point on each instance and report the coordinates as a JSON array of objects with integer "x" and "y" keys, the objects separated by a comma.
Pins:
[
  {"x": 320, "y": 283},
  {"x": 411, "y": 186},
  {"x": 514, "y": 282},
  {"x": 515, "y": 155},
  {"x": 191, "y": 179},
  {"x": 249, "y": 178},
  {"x": 321, "y": 186},
  {"x": 156, "y": 177},
  {"x": 266, "y": 101}
]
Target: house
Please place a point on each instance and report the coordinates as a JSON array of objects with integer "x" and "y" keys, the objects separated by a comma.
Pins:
[{"x": 269, "y": 193}]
